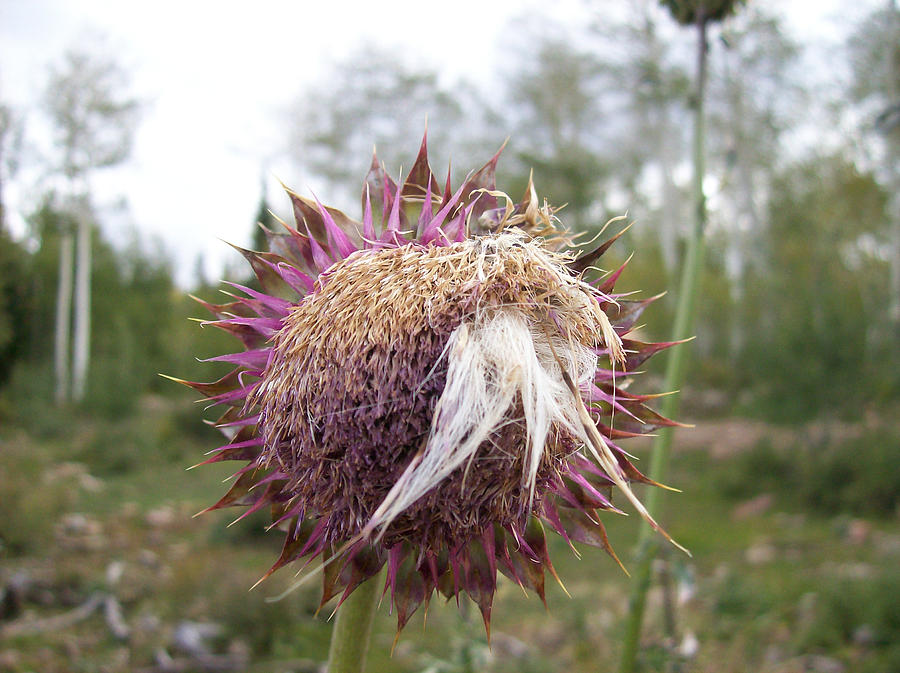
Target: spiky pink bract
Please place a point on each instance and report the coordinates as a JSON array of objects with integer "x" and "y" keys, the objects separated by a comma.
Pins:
[{"x": 362, "y": 352}]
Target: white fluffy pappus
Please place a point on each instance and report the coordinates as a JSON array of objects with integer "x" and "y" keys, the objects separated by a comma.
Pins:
[
  {"x": 500, "y": 355},
  {"x": 491, "y": 360}
]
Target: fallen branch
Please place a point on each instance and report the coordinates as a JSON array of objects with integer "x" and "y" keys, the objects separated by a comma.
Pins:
[
  {"x": 209, "y": 663},
  {"x": 225, "y": 664},
  {"x": 30, "y": 627},
  {"x": 112, "y": 612}
]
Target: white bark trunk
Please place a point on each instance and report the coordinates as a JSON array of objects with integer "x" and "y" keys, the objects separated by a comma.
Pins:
[
  {"x": 82, "y": 341},
  {"x": 63, "y": 317},
  {"x": 671, "y": 217},
  {"x": 892, "y": 157}
]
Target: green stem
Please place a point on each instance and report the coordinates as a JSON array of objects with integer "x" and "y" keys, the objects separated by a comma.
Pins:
[
  {"x": 353, "y": 629},
  {"x": 677, "y": 362}
]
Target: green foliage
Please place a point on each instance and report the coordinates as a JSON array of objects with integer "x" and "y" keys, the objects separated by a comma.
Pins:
[
  {"x": 761, "y": 469},
  {"x": 270, "y": 628},
  {"x": 738, "y": 597},
  {"x": 815, "y": 309},
  {"x": 27, "y": 400},
  {"x": 133, "y": 313},
  {"x": 846, "y": 609},
  {"x": 854, "y": 475},
  {"x": 120, "y": 447},
  {"x": 15, "y": 303},
  {"x": 47, "y": 222},
  {"x": 30, "y": 502},
  {"x": 140, "y": 326}
]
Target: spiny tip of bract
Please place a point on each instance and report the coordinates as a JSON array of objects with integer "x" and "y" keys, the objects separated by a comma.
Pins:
[{"x": 305, "y": 262}]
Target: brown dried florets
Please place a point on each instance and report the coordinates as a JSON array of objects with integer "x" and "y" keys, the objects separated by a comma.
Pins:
[
  {"x": 349, "y": 393},
  {"x": 425, "y": 398}
]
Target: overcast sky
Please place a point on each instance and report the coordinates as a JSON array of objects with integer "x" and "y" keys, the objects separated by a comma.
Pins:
[{"x": 218, "y": 77}]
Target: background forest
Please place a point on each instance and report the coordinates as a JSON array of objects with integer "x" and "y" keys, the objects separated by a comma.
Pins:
[{"x": 790, "y": 477}]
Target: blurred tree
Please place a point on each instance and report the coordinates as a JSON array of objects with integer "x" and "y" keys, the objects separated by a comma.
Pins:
[
  {"x": 373, "y": 98},
  {"x": 10, "y": 147},
  {"x": 555, "y": 95},
  {"x": 200, "y": 279},
  {"x": 15, "y": 302},
  {"x": 815, "y": 347},
  {"x": 264, "y": 217},
  {"x": 754, "y": 98},
  {"x": 649, "y": 88},
  {"x": 47, "y": 225},
  {"x": 137, "y": 313},
  {"x": 94, "y": 126},
  {"x": 15, "y": 290},
  {"x": 134, "y": 317},
  {"x": 63, "y": 321},
  {"x": 875, "y": 59},
  {"x": 699, "y": 14}
]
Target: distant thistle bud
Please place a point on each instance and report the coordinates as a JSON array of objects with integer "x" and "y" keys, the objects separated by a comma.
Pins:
[
  {"x": 432, "y": 392},
  {"x": 689, "y": 12}
]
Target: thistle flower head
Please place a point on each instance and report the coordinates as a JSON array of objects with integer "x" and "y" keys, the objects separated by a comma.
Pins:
[{"x": 431, "y": 393}]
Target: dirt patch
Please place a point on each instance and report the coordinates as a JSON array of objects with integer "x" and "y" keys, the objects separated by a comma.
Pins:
[{"x": 729, "y": 436}]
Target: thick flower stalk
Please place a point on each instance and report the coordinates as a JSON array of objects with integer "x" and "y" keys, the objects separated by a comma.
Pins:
[{"x": 429, "y": 389}]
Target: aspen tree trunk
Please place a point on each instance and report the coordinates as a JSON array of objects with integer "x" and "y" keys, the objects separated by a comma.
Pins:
[
  {"x": 82, "y": 341},
  {"x": 893, "y": 91},
  {"x": 63, "y": 317}
]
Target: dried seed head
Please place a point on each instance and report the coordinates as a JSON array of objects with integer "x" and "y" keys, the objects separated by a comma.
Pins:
[
  {"x": 427, "y": 402},
  {"x": 349, "y": 394}
]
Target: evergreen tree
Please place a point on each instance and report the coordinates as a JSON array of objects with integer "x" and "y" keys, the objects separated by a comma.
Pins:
[
  {"x": 16, "y": 296},
  {"x": 264, "y": 218}
]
